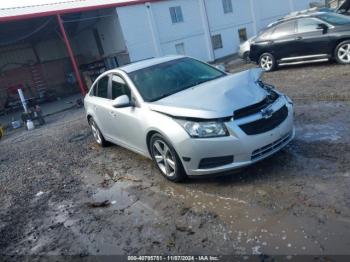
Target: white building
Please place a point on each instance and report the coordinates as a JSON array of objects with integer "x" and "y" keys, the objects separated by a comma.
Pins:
[
  {"x": 95, "y": 35},
  {"x": 206, "y": 29}
]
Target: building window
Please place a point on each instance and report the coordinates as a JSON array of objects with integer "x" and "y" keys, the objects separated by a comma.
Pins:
[
  {"x": 242, "y": 33},
  {"x": 216, "y": 41},
  {"x": 227, "y": 5},
  {"x": 180, "y": 48},
  {"x": 176, "y": 14}
]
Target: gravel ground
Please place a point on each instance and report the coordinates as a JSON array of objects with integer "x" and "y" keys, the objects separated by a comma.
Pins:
[{"x": 296, "y": 202}]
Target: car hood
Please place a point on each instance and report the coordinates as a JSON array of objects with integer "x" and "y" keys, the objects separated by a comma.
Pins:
[{"x": 214, "y": 99}]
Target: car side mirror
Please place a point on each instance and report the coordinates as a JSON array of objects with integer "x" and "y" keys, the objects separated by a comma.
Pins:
[
  {"x": 323, "y": 27},
  {"x": 121, "y": 101},
  {"x": 221, "y": 67}
]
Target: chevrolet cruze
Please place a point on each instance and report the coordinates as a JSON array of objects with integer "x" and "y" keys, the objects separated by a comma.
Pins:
[{"x": 191, "y": 118}]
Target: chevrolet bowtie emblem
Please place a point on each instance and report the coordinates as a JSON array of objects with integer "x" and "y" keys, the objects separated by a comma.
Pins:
[{"x": 266, "y": 113}]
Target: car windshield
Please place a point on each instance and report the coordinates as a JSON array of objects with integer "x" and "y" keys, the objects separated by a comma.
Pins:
[
  {"x": 335, "y": 19},
  {"x": 165, "y": 79}
]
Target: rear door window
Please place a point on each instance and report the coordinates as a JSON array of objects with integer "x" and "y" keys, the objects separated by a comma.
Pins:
[
  {"x": 266, "y": 34},
  {"x": 284, "y": 29}
]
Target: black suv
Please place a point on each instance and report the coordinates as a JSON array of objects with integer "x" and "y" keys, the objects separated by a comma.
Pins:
[{"x": 313, "y": 37}]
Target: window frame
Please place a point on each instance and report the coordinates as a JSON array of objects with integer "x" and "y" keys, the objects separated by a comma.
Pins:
[
  {"x": 176, "y": 14},
  {"x": 125, "y": 82},
  {"x": 133, "y": 97},
  {"x": 213, "y": 41},
  {"x": 294, "y": 21},
  {"x": 227, "y": 6},
  {"x": 94, "y": 88},
  {"x": 243, "y": 29},
  {"x": 182, "y": 45},
  {"x": 319, "y": 21}
]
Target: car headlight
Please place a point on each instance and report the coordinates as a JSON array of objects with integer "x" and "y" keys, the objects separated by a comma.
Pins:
[{"x": 204, "y": 129}]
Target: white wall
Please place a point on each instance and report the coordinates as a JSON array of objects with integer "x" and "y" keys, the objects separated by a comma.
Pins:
[
  {"x": 267, "y": 11},
  {"x": 228, "y": 24},
  {"x": 139, "y": 37},
  {"x": 137, "y": 33},
  {"x": 111, "y": 36},
  {"x": 149, "y": 32}
]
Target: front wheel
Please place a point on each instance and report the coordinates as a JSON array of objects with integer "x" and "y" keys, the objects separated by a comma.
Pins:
[
  {"x": 166, "y": 159},
  {"x": 97, "y": 133},
  {"x": 267, "y": 62},
  {"x": 342, "y": 52}
]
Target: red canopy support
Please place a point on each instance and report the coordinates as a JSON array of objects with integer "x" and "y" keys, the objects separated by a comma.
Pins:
[{"x": 71, "y": 55}]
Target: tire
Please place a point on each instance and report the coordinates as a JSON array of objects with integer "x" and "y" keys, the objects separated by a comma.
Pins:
[
  {"x": 342, "y": 53},
  {"x": 166, "y": 159},
  {"x": 96, "y": 132},
  {"x": 246, "y": 57},
  {"x": 267, "y": 62}
]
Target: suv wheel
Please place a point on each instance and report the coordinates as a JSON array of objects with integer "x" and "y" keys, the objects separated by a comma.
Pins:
[
  {"x": 267, "y": 62},
  {"x": 97, "y": 133},
  {"x": 166, "y": 159},
  {"x": 342, "y": 52},
  {"x": 246, "y": 57}
]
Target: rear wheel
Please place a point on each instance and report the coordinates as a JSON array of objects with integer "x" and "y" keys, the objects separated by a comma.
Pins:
[
  {"x": 97, "y": 133},
  {"x": 166, "y": 159},
  {"x": 342, "y": 52},
  {"x": 267, "y": 62}
]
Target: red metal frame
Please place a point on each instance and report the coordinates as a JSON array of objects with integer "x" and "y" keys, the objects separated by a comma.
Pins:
[
  {"x": 73, "y": 10},
  {"x": 71, "y": 55}
]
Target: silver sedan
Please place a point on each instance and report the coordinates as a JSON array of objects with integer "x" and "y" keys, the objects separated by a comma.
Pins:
[{"x": 191, "y": 118}]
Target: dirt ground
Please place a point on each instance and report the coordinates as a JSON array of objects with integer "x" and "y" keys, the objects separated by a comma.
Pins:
[{"x": 296, "y": 202}]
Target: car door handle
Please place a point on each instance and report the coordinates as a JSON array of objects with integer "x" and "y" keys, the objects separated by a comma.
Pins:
[{"x": 298, "y": 38}]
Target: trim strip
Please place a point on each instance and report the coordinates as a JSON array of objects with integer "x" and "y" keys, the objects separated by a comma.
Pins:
[
  {"x": 305, "y": 62},
  {"x": 303, "y": 57}
]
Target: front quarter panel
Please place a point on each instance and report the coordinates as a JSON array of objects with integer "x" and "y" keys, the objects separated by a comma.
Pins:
[{"x": 167, "y": 127}]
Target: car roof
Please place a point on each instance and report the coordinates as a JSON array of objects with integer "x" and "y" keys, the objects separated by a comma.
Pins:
[
  {"x": 148, "y": 62},
  {"x": 294, "y": 16}
]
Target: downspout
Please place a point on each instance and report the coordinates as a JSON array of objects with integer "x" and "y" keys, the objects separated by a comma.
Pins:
[
  {"x": 71, "y": 55},
  {"x": 154, "y": 31},
  {"x": 252, "y": 13},
  {"x": 206, "y": 27}
]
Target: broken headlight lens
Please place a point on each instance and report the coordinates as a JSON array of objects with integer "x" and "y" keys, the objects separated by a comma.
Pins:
[{"x": 204, "y": 129}]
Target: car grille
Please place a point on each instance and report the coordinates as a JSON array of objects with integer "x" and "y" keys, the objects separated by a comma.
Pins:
[
  {"x": 266, "y": 124},
  {"x": 256, "y": 108},
  {"x": 213, "y": 162},
  {"x": 270, "y": 147}
]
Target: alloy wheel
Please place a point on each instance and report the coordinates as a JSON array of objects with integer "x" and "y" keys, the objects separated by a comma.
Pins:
[
  {"x": 96, "y": 132},
  {"x": 266, "y": 63},
  {"x": 344, "y": 53},
  {"x": 164, "y": 158}
]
